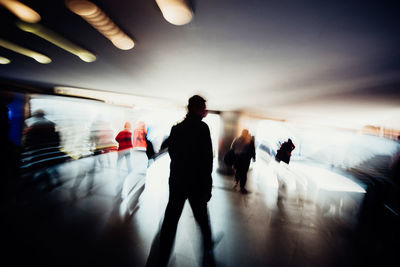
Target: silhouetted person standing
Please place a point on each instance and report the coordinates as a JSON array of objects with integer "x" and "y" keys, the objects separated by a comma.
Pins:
[
  {"x": 96, "y": 148},
  {"x": 244, "y": 150},
  {"x": 190, "y": 149}
]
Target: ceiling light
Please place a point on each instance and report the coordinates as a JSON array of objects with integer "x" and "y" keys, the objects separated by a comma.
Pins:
[
  {"x": 101, "y": 22},
  {"x": 22, "y": 11},
  {"x": 26, "y": 52},
  {"x": 125, "y": 100},
  {"x": 82, "y": 7},
  {"x": 57, "y": 40},
  {"x": 176, "y": 12},
  {"x": 4, "y": 60},
  {"x": 122, "y": 41}
]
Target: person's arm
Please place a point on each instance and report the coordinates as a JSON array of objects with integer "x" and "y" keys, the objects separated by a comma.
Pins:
[
  {"x": 208, "y": 158},
  {"x": 253, "y": 148},
  {"x": 165, "y": 144},
  {"x": 117, "y": 138},
  {"x": 233, "y": 145}
]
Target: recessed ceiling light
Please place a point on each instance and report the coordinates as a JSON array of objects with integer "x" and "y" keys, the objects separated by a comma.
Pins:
[
  {"x": 22, "y": 11},
  {"x": 176, "y": 12}
]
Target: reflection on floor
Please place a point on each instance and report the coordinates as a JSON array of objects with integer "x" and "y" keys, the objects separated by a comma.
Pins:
[{"x": 292, "y": 222}]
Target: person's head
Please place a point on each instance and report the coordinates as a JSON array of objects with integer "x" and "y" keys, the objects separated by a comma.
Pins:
[
  {"x": 38, "y": 113},
  {"x": 141, "y": 126},
  {"x": 290, "y": 141},
  {"x": 197, "y": 106},
  {"x": 127, "y": 125},
  {"x": 245, "y": 132}
]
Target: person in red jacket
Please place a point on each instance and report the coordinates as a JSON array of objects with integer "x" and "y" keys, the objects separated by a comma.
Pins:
[{"x": 124, "y": 139}]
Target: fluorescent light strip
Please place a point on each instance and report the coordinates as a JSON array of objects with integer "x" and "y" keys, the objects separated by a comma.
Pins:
[
  {"x": 101, "y": 22},
  {"x": 57, "y": 40},
  {"x": 125, "y": 100},
  {"x": 22, "y": 11},
  {"x": 4, "y": 60},
  {"x": 26, "y": 52}
]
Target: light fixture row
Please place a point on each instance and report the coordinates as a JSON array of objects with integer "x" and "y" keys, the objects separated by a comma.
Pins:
[
  {"x": 89, "y": 11},
  {"x": 176, "y": 12},
  {"x": 57, "y": 40}
]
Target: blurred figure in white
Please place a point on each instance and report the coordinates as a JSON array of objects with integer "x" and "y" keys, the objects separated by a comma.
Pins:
[
  {"x": 283, "y": 174},
  {"x": 133, "y": 184},
  {"x": 89, "y": 164}
]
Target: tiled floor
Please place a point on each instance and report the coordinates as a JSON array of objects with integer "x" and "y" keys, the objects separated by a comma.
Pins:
[{"x": 312, "y": 226}]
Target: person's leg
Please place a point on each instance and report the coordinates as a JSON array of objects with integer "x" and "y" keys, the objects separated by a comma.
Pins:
[
  {"x": 82, "y": 172},
  {"x": 237, "y": 179},
  {"x": 168, "y": 229},
  {"x": 128, "y": 160},
  {"x": 200, "y": 213},
  {"x": 91, "y": 174},
  {"x": 236, "y": 167},
  {"x": 120, "y": 157},
  {"x": 243, "y": 175}
]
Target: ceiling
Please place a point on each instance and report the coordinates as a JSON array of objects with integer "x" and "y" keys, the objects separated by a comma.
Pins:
[{"x": 332, "y": 61}]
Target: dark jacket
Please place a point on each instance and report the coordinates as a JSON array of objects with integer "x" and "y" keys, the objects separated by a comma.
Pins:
[
  {"x": 41, "y": 144},
  {"x": 41, "y": 134},
  {"x": 190, "y": 149}
]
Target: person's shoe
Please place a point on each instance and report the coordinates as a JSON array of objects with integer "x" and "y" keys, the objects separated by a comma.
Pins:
[{"x": 243, "y": 191}]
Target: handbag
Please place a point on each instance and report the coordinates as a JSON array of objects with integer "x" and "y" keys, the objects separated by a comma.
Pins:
[{"x": 230, "y": 157}]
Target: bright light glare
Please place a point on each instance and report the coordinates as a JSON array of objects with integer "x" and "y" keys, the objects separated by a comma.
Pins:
[
  {"x": 4, "y": 60},
  {"x": 26, "y": 52},
  {"x": 22, "y": 11},
  {"x": 325, "y": 179},
  {"x": 176, "y": 12},
  {"x": 57, "y": 40},
  {"x": 125, "y": 100}
]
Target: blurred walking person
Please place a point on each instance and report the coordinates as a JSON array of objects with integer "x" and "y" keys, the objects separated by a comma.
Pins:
[
  {"x": 133, "y": 184},
  {"x": 244, "y": 150},
  {"x": 124, "y": 139},
  {"x": 125, "y": 145},
  {"x": 41, "y": 145},
  {"x": 88, "y": 170}
]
